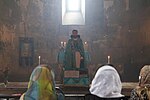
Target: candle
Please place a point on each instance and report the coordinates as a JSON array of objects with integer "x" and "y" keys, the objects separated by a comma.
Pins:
[
  {"x": 86, "y": 46},
  {"x": 108, "y": 58},
  {"x": 61, "y": 44},
  {"x": 39, "y": 60},
  {"x": 64, "y": 44}
]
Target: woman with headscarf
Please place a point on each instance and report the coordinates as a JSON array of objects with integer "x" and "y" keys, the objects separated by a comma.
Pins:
[
  {"x": 41, "y": 85},
  {"x": 106, "y": 85},
  {"x": 142, "y": 91}
]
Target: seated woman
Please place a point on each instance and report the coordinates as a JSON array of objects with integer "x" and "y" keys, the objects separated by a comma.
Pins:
[
  {"x": 142, "y": 92},
  {"x": 106, "y": 85},
  {"x": 41, "y": 85}
]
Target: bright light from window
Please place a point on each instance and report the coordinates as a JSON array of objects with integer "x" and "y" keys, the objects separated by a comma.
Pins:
[
  {"x": 73, "y": 5},
  {"x": 73, "y": 12}
]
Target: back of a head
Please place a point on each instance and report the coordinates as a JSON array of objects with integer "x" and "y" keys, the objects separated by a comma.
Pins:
[
  {"x": 145, "y": 76},
  {"x": 42, "y": 72},
  {"x": 142, "y": 92},
  {"x": 41, "y": 84},
  {"x": 106, "y": 83}
]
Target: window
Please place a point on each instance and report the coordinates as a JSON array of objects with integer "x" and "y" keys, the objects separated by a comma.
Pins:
[
  {"x": 73, "y": 12},
  {"x": 73, "y": 5}
]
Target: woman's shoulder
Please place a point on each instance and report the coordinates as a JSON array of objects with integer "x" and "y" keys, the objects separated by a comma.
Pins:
[{"x": 140, "y": 93}]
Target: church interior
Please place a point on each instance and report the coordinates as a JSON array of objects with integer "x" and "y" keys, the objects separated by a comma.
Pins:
[{"x": 32, "y": 32}]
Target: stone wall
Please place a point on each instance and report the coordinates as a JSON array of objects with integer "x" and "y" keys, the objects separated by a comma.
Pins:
[{"x": 120, "y": 33}]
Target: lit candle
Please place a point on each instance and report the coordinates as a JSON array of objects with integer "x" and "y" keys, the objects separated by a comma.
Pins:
[
  {"x": 108, "y": 59},
  {"x": 39, "y": 60},
  {"x": 61, "y": 44},
  {"x": 85, "y": 46},
  {"x": 64, "y": 44}
]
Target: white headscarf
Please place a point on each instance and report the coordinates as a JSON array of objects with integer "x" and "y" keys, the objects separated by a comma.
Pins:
[{"x": 106, "y": 83}]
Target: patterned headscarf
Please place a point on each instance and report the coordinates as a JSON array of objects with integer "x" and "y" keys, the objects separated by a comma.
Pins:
[
  {"x": 106, "y": 83},
  {"x": 41, "y": 85},
  {"x": 145, "y": 76}
]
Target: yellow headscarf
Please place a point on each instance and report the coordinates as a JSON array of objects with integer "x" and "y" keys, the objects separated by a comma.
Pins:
[{"x": 41, "y": 85}]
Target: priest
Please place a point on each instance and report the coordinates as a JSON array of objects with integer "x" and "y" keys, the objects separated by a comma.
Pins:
[{"x": 74, "y": 53}]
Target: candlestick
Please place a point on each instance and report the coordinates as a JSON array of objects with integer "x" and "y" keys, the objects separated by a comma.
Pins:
[
  {"x": 64, "y": 44},
  {"x": 85, "y": 46},
  {"x": 39, "y": 60},
  {"x": 108, "y": 58},
  {"x": 61, "y": 44}
]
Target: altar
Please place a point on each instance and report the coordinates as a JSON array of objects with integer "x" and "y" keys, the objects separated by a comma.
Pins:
[{"x": 76, "y": 77}]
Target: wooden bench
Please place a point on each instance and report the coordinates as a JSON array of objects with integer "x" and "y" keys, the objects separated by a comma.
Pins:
[{"x": 10, "y": 96}]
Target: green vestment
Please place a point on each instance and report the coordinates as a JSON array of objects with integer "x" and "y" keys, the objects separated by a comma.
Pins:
[{"x": 73, "y": 45}]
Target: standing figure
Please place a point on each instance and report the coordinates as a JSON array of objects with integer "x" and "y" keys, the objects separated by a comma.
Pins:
[
  {"x": 60, "y": 56},
  {"x": 60, "y": 60},
  {"x": 74, "y": 53}
]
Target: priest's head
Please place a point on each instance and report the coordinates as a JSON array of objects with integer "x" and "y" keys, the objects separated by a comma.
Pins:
[{"x": 74, "y": 34}]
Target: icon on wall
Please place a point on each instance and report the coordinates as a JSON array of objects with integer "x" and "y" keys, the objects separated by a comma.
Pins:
[{"x": 26, "y": 48}]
